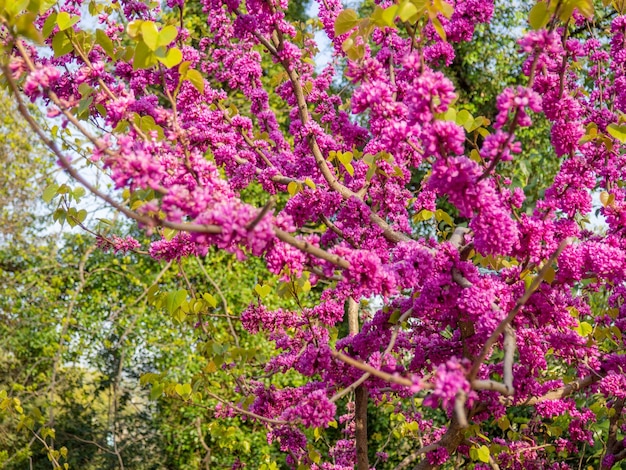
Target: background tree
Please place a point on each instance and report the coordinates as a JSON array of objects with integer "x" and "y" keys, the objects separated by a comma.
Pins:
[{"x": 498, "y": 342}]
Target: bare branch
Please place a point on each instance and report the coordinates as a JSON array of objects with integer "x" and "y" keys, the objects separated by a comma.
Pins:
[
  {"x": 375, "y": 372},
  {"x": 231, "y": 327},
  {"x": 366, "y": 375}
]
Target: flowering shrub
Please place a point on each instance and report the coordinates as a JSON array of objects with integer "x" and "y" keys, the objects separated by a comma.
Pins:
[{"x": 490, "y": 344}]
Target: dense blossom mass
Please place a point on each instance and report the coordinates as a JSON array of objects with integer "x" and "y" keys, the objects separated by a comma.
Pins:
[{"x": 381, "y": 187}]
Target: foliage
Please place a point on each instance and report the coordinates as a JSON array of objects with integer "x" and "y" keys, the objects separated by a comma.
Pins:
[
  {"x": 26, "y": 169},
  {"x": 411, "y": 251}
]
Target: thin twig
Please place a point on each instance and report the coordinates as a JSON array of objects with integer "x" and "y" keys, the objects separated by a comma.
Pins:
[{"x": 231, "y": 327}]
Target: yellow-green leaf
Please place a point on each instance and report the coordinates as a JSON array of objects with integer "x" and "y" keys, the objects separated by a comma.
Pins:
[
  {"x": 144, "y": 58},
  {"x": 134, "y": 27},
  {"x": 292, "y": 188},
  {"x": 61, "y": 44},
  {"x": 50, "y": 192},
  {"x": 171, "y": 58},
  {"x": 483, "y": 453},
  {"x": 167, "y": 35},
  {"x": 539, "y": 15},
  {"x": 262, "y": 291},
  {"x": 196, "y": 79},
  {"x": 210, "y": 300},
  {"x": 617, "y": 131},
  {"x": 406, "y": 11},
  {"x": 439, "y": 28},
  {"x": 584, "y": 329},
  {"x": 105, "y": 43},
  {"x": 65, "y": 20},
  {"x": 150, "y": 34},
  {"x": 346, "y": 20},
  {"x": 389, "y": 15},
  {"x": 49, "y": 25}
]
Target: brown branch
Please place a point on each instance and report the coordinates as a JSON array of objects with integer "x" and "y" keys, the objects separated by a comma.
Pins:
[
  {"x": 360, "y": 397},
  {"x": 311, "y": 249},
  {"x": 409, "y": 459},
  {"x": 373, "y": 371},
  {"x": 459, "y": 409},
  {"x": 262, "y": 213},
  {"x": 245, "y": 137},
  {"x": 366, "y": 375},
  {"x": 241, "y": 410},
  {"x": 567, "y": 389},
  {"x": 207, "y": 458}
]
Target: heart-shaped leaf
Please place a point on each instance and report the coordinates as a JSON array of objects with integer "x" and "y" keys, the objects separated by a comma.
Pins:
[
  {"x": 539, "y": 15},
  {"x": 617, "y": 131},
  {"x": 171, "y": 58},
  {"x": 167, "y": 35},
  {"x": 210, "y": 300},
  {"x": 262, "y": 291},
  {"x": 150, "y": 34},
  {"x": 65, "y": 20},
  {"x": 346, "y": 20}
]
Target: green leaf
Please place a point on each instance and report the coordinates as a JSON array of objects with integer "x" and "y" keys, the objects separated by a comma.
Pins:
[
  {"x": 210, "y": 300},
  {"x": 483, "y": 453},
  {"x": 406, "y": 11},
  {"x": 65, "y": 20},
  {"x": 172, "y": 58},
  {"x": 262, "y": 291},
  {"x": 49, "y": 25},
  {"x": 83, "y": 105},
  {"x": 133, "y": 28},
  {"x": 539, "y": 15},
  {"x": 504, "y": 423},
  {"x": 196, "y": 80},
  {"x": 346, "y": 20},
  {"x": 167, "y": 35},
  {"x": 439, "y": 28},
  {"x": 105, "y": 43},
  {"x": 157, "y": 391},
  {"x": 81, "y": 215},
  {"x": 50, "y": 192},
  {"x": 617, "y": 131},
  {"x": 61, "y": 44},
  {"x": 152, "y": 293},
  {"x": 150, "y": 34},
  {"x": 144, "y": 58},
  {"x": 174, "y": 300},
  {"x": 584, "y": 329},
  {"x": 389, "y": 14}
]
